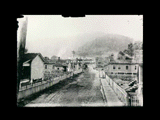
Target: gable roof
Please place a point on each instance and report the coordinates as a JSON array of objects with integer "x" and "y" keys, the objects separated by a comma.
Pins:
[
  {"x": 121, "y": 53},
  {"x": 60, "y": 65},
  {"x": 54, "y": 61},
  {"x": 50, "y": 61},
  {"x": 30, "y": 56}
]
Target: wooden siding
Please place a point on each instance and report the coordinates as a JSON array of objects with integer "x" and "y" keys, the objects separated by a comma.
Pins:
[{"x": 37, "y": 68}]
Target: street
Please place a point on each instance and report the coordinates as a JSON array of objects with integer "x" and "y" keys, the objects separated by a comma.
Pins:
[{"x": 84, "y": 90}]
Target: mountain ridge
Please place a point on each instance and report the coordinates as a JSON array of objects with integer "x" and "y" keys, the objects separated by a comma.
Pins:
[{"x": 104, "y": 45}]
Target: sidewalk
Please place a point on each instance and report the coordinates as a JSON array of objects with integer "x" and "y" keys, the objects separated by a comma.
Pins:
[{"x": 112, "y": 98}]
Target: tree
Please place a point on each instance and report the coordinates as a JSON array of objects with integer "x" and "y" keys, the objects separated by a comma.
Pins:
[
  {"x": 130, "y": 49},
  {"x": 20, "y": 52},
  {"x": 130, "y": 46}
]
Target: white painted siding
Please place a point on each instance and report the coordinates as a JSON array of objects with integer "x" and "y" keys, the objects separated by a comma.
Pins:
[
  {"x": 131, "y": 68},
  {"x": 37, "y": 68}
]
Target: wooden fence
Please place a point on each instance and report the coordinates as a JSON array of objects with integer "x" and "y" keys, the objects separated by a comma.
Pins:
[
  {"x": 121, "y": 93},
  {"x": 37, "y": 87}
]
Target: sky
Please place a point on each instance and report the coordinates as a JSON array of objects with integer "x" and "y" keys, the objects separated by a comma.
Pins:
[{"x": 53, "y": 34}]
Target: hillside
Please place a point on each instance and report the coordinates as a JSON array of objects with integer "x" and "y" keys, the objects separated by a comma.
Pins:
[{"x": 103, "y": 46}]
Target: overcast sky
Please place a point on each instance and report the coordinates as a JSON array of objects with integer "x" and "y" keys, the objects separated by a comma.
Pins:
[{"x": 45, "y": 31}]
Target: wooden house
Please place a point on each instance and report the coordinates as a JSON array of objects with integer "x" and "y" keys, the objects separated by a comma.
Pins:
[
  {"x": 122, "y": 70},
  {"x": 33, "y": 66}
]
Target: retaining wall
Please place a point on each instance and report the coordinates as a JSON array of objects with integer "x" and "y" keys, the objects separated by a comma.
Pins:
[{"x": 42, "y": 85}]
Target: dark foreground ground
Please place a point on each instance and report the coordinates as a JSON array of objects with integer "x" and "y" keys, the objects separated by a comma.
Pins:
[{"x": 83, "y": 90}]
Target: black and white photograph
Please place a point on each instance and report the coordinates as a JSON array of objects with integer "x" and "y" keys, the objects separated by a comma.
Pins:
[{"x": 85, "y": 61}]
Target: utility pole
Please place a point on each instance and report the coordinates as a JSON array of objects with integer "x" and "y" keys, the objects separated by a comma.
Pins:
[
  {"x": 73, "y": 52},
  {"x": 20, "y": 51}
]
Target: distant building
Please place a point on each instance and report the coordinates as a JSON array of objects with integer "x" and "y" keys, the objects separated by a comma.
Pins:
[
  {"x": 74, "y": 65},
  {"x": 46, "y": 58},
  {"x": 33, "y": 66},
  {"x": 87, "y": 61},
  {"x": 122, "y": 70},
  {"x": 99, "y": 62},
  {"x": 55, "y": 65},
  {"x": 49, "y": 67}
]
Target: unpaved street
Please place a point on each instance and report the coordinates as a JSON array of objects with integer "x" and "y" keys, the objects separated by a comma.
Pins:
[{"x": 84, "y": 90}]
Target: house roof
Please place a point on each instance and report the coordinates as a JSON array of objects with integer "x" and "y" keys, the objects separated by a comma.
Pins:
[
  {"x": 56, "y": 62},
  {"x": 141, "y": 65},
  {"x": 121, "y": 53},
  {"x": 60, "y": 65},
  {"x": 50, "y": 61},
  {"x": 132, "y": 83},
  {"x": 132, "y": 88},
  {"x": 30, "y": 56}
]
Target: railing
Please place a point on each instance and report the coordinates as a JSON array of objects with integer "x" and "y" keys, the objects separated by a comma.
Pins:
[
  {"x": 31, "y": 89},
  {"x": 121, "y": 93}
]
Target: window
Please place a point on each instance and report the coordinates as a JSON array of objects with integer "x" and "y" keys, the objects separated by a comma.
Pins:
[
  {"x": 120, "y": 73},
  {"x": 114, "y": 67},
  {"x": 135, "y": 67},
  {"x": 53, "y": 66},
  {"x": 129, "y": 73},
  {"x": 126, "y": 67},
  {"x": 134, "y": 73},
  {"x": 119, "y": 67},
  {"x": 57, "y": 68},
  {"x": 45, "y": 66}
]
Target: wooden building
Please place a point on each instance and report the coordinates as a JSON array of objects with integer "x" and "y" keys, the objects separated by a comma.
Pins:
[
  {"x": 122, "y": 70},
  {"x": 33, "y": 66}
]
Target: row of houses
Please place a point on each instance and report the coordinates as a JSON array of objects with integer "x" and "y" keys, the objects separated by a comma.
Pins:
[{"x": 35, "y": 66}]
